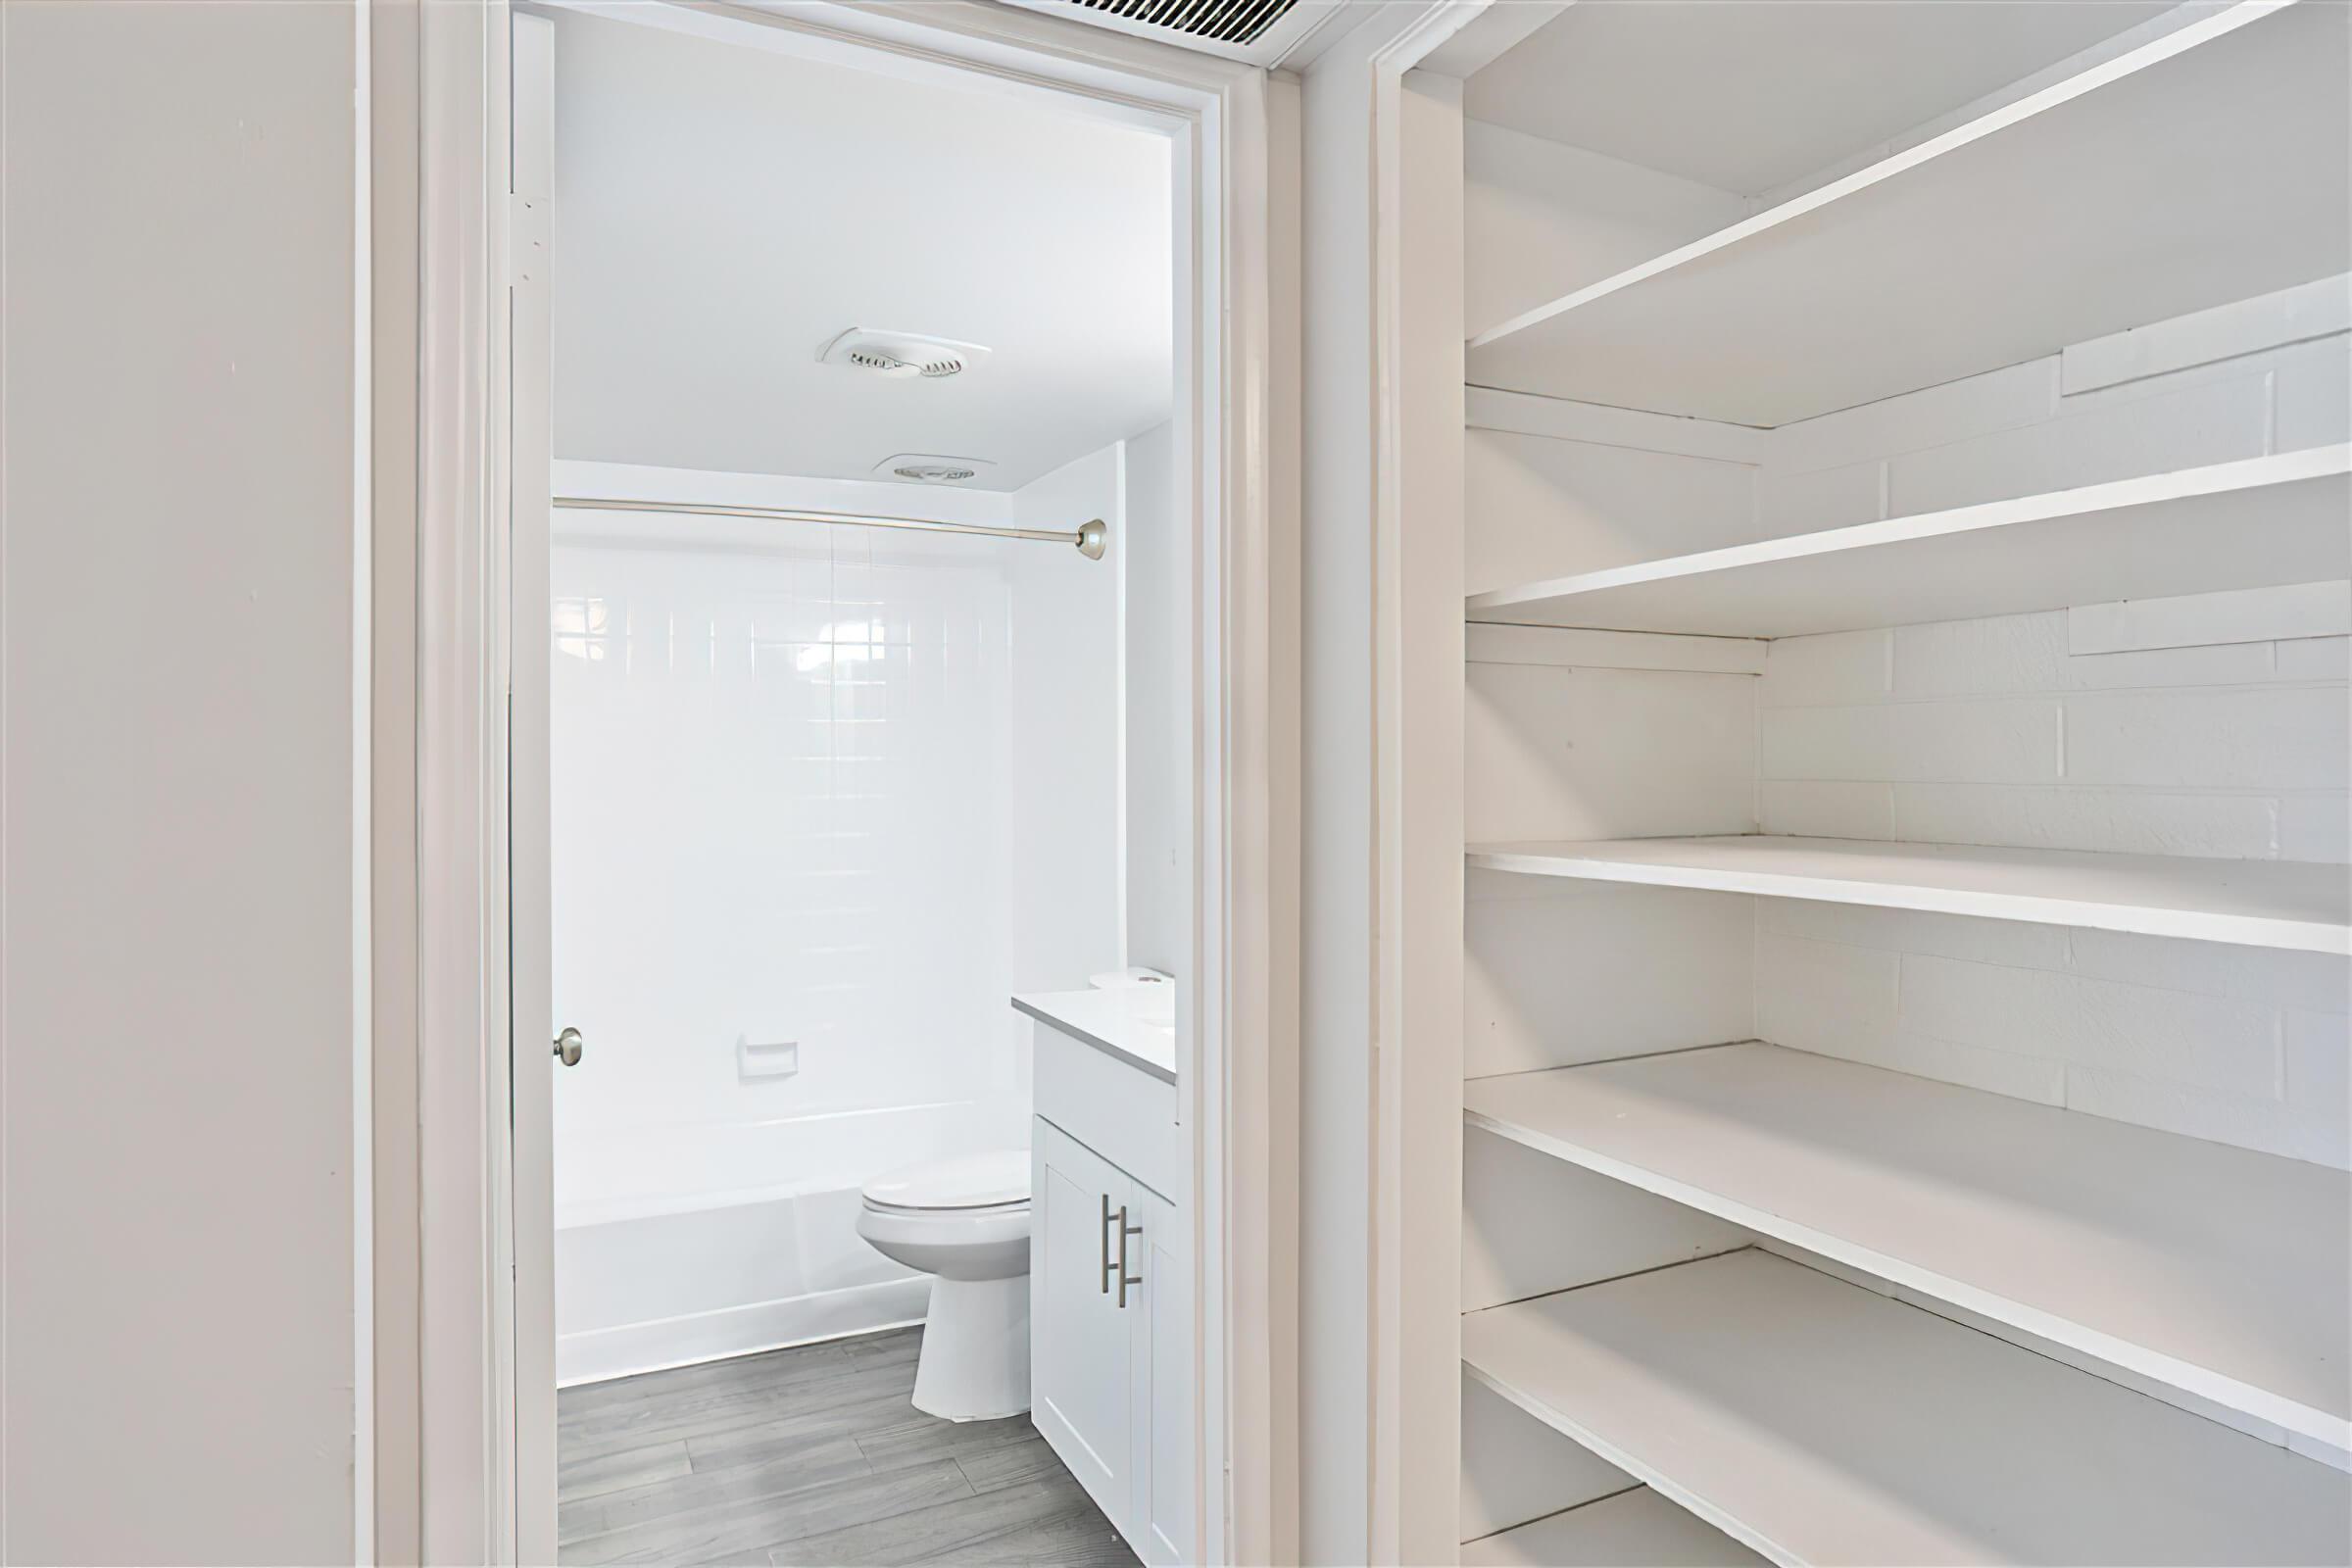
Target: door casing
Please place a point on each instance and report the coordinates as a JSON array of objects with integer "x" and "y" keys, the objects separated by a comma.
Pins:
[{"x": 462, "y": 1451}]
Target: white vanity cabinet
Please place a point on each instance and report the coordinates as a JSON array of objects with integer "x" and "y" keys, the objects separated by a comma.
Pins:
[
  {"x": 1110, "y": 1288},
  {"x": 1081, "y": 1393},
  {"x": 1159, "y": 1371},
  {"x": 1110, "y": 1363}
]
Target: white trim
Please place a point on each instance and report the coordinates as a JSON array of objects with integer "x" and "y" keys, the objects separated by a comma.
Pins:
[
  {"x": 2290, "y": 613},
  {"x": 395, "y": 1348},
  {"x": 464, "y": 1413},
  {"x": 1217, "y": 113},
  {"x": 1579, "y": 648},
  {"x": 530, "y": 416},
  {"x": 1359, "y": 1440},
  {"x": 2300, "y": 314},
  {"x": 1565, "y": 420},
  {"x": 362, "y": 724},
  {"x": 1418, "y": 657}
]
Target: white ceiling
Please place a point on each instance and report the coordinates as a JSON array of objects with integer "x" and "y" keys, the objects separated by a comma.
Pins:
[
  {"x": 721, "y": 213},
  {"x": 1746, "y": 95}
]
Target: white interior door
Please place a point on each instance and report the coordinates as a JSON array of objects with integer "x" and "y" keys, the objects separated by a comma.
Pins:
[{"x": 529, "y": 231}]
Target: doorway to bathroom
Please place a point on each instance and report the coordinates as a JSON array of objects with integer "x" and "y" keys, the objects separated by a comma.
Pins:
[{"x": 869, "y": 747}]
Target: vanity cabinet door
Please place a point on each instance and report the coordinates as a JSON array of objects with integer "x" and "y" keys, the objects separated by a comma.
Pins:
[
  {"x": 1161, "y": 1367},
  {"x": 1081, "y": 1394}
]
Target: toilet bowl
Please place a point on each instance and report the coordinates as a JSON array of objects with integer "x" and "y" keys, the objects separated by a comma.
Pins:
[{"x": 965, "y": 1223}]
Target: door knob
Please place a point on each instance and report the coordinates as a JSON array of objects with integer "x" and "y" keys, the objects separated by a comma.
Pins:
[{"x": 567, "y": 1046}]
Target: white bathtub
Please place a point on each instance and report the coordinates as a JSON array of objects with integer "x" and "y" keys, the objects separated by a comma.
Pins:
[{"x": 685, "y": 1243}]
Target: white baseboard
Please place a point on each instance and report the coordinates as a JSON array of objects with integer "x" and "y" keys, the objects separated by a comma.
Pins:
[{"x": 596, "y": 1354}]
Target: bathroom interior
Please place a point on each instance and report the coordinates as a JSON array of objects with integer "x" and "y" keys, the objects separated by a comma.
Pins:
[{"x": 871, "y": 869}]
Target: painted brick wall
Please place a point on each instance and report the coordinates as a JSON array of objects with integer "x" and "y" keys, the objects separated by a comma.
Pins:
[
  {"x": 1992, "y": 732},
  {"x": 1999, "y": 731},
  {"x": 2238, "y": 1045}
]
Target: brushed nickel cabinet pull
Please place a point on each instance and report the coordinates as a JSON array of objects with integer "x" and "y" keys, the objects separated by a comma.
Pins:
[
  {"x": 1125, "y": 1230},
  {"x": 1104, "y": 1233}
]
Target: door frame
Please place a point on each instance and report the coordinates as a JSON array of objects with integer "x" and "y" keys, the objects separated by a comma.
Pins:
[
  {"x": 459, "y": 1463},
  {"x": 1382, "y": 296}
]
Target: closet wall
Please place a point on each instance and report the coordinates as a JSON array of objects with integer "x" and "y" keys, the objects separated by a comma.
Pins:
[
  {"x": 2090, "y": 717},
  {"x": 2212, "y": 735}
]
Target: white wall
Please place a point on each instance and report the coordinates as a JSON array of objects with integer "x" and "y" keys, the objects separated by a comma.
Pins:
[
  {"x": 836, "y": 789},
  {"x": 1067, "y": 911},
  {"x": 1541, "y": 218},
  {"x": 178, "y": 750},
  {"x": 2013, "y": 730},
  {"x": 1157, "y": 567},
  {"x": 2229, "y": 740}
]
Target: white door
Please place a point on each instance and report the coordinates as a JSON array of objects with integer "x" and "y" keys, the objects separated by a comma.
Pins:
[
  {"x": 1081, "y": 1396},
  {"x": 1160, "y": 1357},
  {"x": 530, "y": 995}
]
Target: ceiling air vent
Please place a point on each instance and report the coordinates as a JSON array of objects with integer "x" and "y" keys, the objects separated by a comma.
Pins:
[
  {"x": 1258, "y": 32},
  {"x": 901, "y": 356},
  {"x": 1216, "y": 21}
]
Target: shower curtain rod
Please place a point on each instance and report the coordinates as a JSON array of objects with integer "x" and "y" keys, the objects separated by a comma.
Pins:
[{"x": 1090, "y": 536}]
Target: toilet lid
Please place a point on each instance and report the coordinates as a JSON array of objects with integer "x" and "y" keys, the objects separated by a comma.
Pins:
[{"x": 974, "y": 1180}]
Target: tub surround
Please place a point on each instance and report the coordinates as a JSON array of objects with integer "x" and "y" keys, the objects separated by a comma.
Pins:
[
  {"x": 832, "y": 790},
  {"x": 1134, "y": 1025}
]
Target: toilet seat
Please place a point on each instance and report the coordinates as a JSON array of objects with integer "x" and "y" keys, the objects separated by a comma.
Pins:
[{"x": 991, "y": 1182}]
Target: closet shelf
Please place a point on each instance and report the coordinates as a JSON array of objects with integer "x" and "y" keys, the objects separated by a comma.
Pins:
[
  {"x": 2256, "y": 523},
  {"x": 2263, "y": 904},
  {"x": 1634, "y": 1529},
  {"x": 2157, "y": 178},
  {"x": 1819, "y": 1422},
  {"x": 2217, "y": 1270}
]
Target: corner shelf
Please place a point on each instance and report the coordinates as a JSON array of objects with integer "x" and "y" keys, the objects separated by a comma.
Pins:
[
  {"x": 2155, "y": 175},
  {"x": 2222, "y": 1272},
  {"x": 2255, "y": 524},
  {"x": 1819, "y": 1422},
  {"x": 2264, "y": 903}
]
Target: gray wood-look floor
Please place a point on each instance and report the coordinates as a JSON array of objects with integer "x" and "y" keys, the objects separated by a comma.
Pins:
[{"x": 811, "y": 1455}]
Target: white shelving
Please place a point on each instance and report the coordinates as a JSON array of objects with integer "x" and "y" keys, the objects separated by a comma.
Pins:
[
  {"x": 1634, "y": 1529},
  {"x": 2220, "y": 1271},
  {"x": 2156, "y": 177},
  {"x": 2266, "y": 904},
  {"x": 1819, "y": 1422},
  {"x": 2089, "y": 262},
  {"x": 2256, "y": 523}
]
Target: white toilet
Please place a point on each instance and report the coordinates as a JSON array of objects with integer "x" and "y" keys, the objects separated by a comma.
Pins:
[{"x": 965, "y": 1223}]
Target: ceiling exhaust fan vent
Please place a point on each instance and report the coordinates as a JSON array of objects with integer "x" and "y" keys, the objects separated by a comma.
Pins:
[
  {"x": 901, "y": 356},
  {"x": 924, "y": 467}
]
